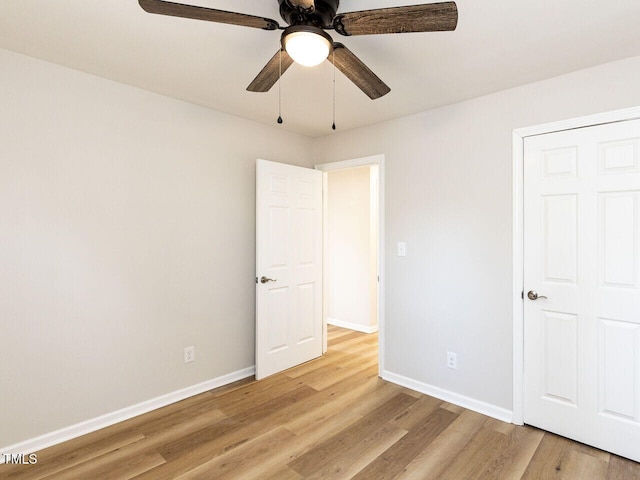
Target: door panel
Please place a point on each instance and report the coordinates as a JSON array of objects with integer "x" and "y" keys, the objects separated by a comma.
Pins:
[
  {"x": 582, "y": 252},
  {"x": 618, "y": 239},
  {"x": 560, "y": 247},
  {"x": 618, "y": 355},
  {"x": 289, "y": 254},
  {"x": 560, "y": 340}
]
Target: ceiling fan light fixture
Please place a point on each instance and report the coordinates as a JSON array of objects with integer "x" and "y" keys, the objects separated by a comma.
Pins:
[{"x": 306, "y": 44}]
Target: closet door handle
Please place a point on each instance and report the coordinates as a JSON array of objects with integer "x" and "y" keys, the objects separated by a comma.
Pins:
[{"x": 532, "y": 294}]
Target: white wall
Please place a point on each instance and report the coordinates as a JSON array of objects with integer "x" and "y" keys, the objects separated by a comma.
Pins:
[
  {"x": 448, "y": 181},
  {"x": 126, "y": 233},
  {"x": 352, "y": 241}
]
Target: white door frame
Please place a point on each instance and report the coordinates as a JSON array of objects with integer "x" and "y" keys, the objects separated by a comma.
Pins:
[
  {"x": 360, "y": 162},
  {"x": 518, "y": 233}
]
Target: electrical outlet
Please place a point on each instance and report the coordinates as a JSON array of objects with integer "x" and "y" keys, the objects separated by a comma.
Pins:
[
  {"x": 189, "y": 354},
  {"x": 452, "y": 360}
]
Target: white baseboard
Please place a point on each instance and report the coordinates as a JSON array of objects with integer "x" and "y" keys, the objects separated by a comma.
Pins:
[
  {"x": 469, "y": 403},
  {"x": 88, "y": 426},
  {"x": 351, "y": 326}
]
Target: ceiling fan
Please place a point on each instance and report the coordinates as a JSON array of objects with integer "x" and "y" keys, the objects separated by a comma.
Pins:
[{"x": 306, "y": 41}]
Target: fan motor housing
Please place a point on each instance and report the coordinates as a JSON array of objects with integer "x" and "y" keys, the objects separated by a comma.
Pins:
[{"x": 321, "y": 16}]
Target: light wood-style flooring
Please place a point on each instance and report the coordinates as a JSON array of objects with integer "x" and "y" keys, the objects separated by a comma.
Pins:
[{"x": 331, "y": 418}]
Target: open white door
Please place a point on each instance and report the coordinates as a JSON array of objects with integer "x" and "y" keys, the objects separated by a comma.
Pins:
[
  {"x": 582, "y": 285},
  {"x": 288, "y": 266}
]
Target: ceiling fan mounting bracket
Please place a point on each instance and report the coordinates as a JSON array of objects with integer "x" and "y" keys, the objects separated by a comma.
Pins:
[{"x": 321, "y": 16}]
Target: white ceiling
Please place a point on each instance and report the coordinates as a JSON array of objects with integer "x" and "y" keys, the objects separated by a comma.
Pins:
[{"x": 498, "y": 44}]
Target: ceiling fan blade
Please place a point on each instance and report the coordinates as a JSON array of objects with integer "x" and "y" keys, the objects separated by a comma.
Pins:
[
  {"x": 432, "y": 17},
  {"x": 304, "y": 4},
  {"x": 357, "y": 72},
  {"x": 209, "y": 14},
  {"x": 269, "y": 75}
]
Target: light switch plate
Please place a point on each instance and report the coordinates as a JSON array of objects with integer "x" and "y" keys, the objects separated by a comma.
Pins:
[{"x": 402, "y": 249}]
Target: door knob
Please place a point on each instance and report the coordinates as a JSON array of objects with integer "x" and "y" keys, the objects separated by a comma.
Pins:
[
  {"x": 532, "y": 294},
  {"x": 264, "y": 279}
]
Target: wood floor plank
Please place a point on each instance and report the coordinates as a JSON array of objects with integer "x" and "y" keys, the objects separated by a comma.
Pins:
[
  {"x": 321, "y": 382},
  {"x": 185, "y": 453},
  {"x": 439, "y": 454},
  {"x": 179, "y": 424},
  {"x": 355, "y": 339},
  {"x": 622, "y": 469},
  {"x": 333, "y": 454},
  {"x": 68, "y": 454},
  {"x": 224, "y": 390},
  {"x": 582, "y": 465},
  {"x": 117, "y": 465},
  {"x": 347, "y": 462},
  {"x": 353, "y": 361},
  {"x": 512, "y": 461},
  {"x": 390, "y": 463},
  {"x": 332, "y": 357},
  {"x": 238, "y": 428},
  {"x": 253, "y": 393},
  {"x": 349, "y": 335},
  {"x": 353, "y": 349},
  {"x": 416, "y": 413},
  {"x": 281, "y": 473},
  {"x": 157, "y": 432},
  {"x": 550, "y": 459},
  {"x": 452, "y": 408},
  {"x": 317, "y": 376},
  {"x": 340, "y": 398},
  {"x": 476, "y": 456},
  {"x": 561, "y": 458},
  {"x": 230, "y": 465},
  {"x": 315, "y": 432},
  {"x": 334, "y": 332},
  {"x": 383, "y": 393},
  {"x": 320, "y": 433}
]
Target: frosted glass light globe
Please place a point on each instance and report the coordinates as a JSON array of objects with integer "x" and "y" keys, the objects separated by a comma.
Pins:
[{"x": 307, "y": 48}]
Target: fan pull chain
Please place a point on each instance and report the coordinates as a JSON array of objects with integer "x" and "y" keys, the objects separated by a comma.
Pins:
[
  {"x": 280, "y": 88},
  {"x": 334, "y": 89}
]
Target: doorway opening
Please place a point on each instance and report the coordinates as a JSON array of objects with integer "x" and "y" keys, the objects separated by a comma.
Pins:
[{"x": 353, "y": 248}]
